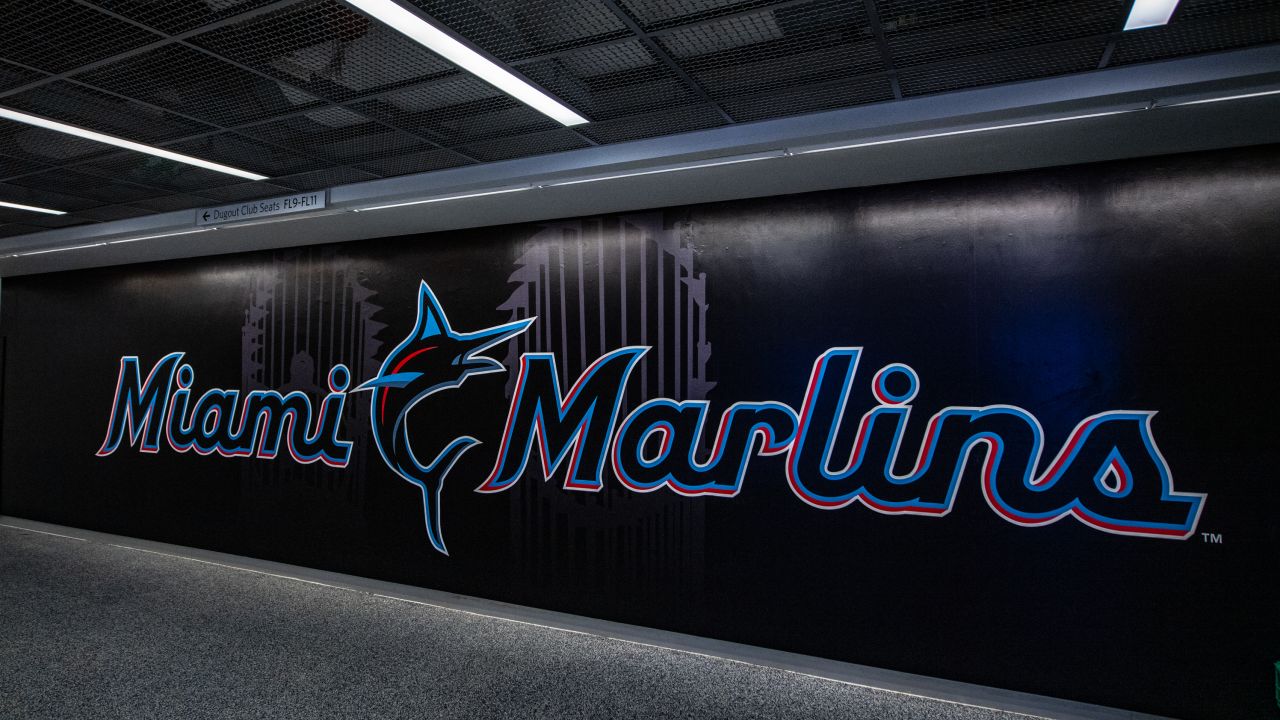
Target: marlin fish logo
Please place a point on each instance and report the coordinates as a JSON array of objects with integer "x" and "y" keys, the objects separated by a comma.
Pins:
[{"x": 434, "y": 357}]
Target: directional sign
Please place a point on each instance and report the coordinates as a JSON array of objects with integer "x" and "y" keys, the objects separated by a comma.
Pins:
[{"x": 259, "y": 209}]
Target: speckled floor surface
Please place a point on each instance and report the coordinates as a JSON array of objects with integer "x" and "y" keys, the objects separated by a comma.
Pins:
[{"x": 88, "y": 630}]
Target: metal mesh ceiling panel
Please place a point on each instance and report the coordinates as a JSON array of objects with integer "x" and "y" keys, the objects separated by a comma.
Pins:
[
  {"x": 1204, "y": 27},
  {"x": 776, "y": 48},
  {"x": 28, "y": 196},
  {"x": 512, "y": 30},
  {"x": 415, "y": 163},
  {"x": 166, "y": 203},
  {"x": 320, "y": 179},
  {"x": 342, "y": 141},
  {"x": 668, "y": 121},
  {"x": 795, "y": 101},
  {"x": 82, "y": 185},
  {"x": 60, "y": 35},
  {"x": 8, "y": 215},
  {"x": 112, "y": 114},
  {"x": 1007, "y": 66},
  {"x": 8, "y": 230},
  {"x": 525, "y": 145},
  {"x": 12, "y": 166},
  {"x": 108, "y": 213},
  {"x": 154, "y": 172},
  {"x": 240, "y": 151},
  {"x": 327, "y": 48},
  {"x": 924, "y": 31},
  {"x": 313, "y": 93},
  {"x": 44, "y": 146},
  {"x": 1191, "y": 9},
  {"x": 184, "y": 80},
  {"x": 14, "y": 76},
  {"x": 244, "y": 191},
  {"x": 455, "y": 110},
  {"x": 654, "y": 15},
  {"x": 610, "y": 81},
  {"x": 175, "y": 18}
]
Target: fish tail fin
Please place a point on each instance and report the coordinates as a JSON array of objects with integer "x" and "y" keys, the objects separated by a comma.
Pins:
[{"x": 431, "y": 482}]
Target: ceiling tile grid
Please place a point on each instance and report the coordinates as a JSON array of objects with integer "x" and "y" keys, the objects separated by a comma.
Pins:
[
  {"x": 314, "y": 93},
  {"x": 513, "y": 30},
  {"x": 1002, "y": 67},
  {"x": 60, "y": 35},
  {"x": 327, "y": 48},
  {"x": 1202, "y": 27},
  {"x": 176, "y": 18}
]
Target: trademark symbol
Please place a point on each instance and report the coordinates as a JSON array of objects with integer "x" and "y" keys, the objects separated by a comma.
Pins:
[{"x": 1211, "y": 538}]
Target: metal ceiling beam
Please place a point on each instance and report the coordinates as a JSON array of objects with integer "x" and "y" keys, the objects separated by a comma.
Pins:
[
  {"x": 665, "y": 58},
  {"x": 877, "y": 31},
  {"x": 1111, "y": 44}
]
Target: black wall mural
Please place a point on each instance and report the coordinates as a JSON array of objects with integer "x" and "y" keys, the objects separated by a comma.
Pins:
[{"x": 1014, "y": 430}]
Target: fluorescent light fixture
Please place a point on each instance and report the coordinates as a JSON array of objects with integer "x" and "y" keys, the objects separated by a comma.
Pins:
[
  {"x": 1150, "y": 13},
  {"x": 1210, "y": 100},
  {"x": 443, "y": 198},
  {"x": 672, "y": 168},
  {"x": 56, "y": 126},
  {"x": 31, "y": 208},
  {"x": 966, "y": 131},
  {"x": 165, "y": 235},
  {"x": 59, "y": 249},
  {"x": 110, "y": 242},
  {"x": 458, "y": 53}
]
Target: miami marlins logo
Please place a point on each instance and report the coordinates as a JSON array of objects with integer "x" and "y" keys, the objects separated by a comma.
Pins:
[
  {"x": 841, "y": 448},
  {"x": 433, "y": 358}
]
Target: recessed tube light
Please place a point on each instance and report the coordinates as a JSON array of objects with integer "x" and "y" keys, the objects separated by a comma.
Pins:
[
  {"x": 671, "y": 168},
  {"x": 31, "y": 208},
  {"x": 1224, "y": 98},
  {"x": 458, "y": 53},
  {"x": 109, "y": 242},
  {"x": 156, "y": 237},
  {"x": 444, "y": 198},
  {"x": 56, "y": 126},
  {"x": 1150, "y": 13},
  {"x": 966, "y": 131},
  {"x": 59, "y": 249}
]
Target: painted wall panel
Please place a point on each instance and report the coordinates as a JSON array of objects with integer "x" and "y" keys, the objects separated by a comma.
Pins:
[{"x": 1014, "y": 430}]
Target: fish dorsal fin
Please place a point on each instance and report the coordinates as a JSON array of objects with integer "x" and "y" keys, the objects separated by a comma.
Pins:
[{"x": 432, "y": 321}]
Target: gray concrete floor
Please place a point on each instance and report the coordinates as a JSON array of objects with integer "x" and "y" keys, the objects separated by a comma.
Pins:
[{"x": 93, "y": 630}]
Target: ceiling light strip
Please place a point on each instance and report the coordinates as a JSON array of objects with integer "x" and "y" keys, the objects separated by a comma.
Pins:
[
  {"x": 109, "y": 242},
  {"x": 56, "y": 126},
  {"x": 30, "y": 208},
  {"x": 443, "y": 198},
  {"x": 59, "y": 249},
  {"x": 672, "y": 168},
  {"x": 1224, "y": 98},
  {"x": 156, "y": 237},
  {"x": 966, "y": 131},
  {"x": 446, "y": 46},
  {"x": 1150, "y": 13}
]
